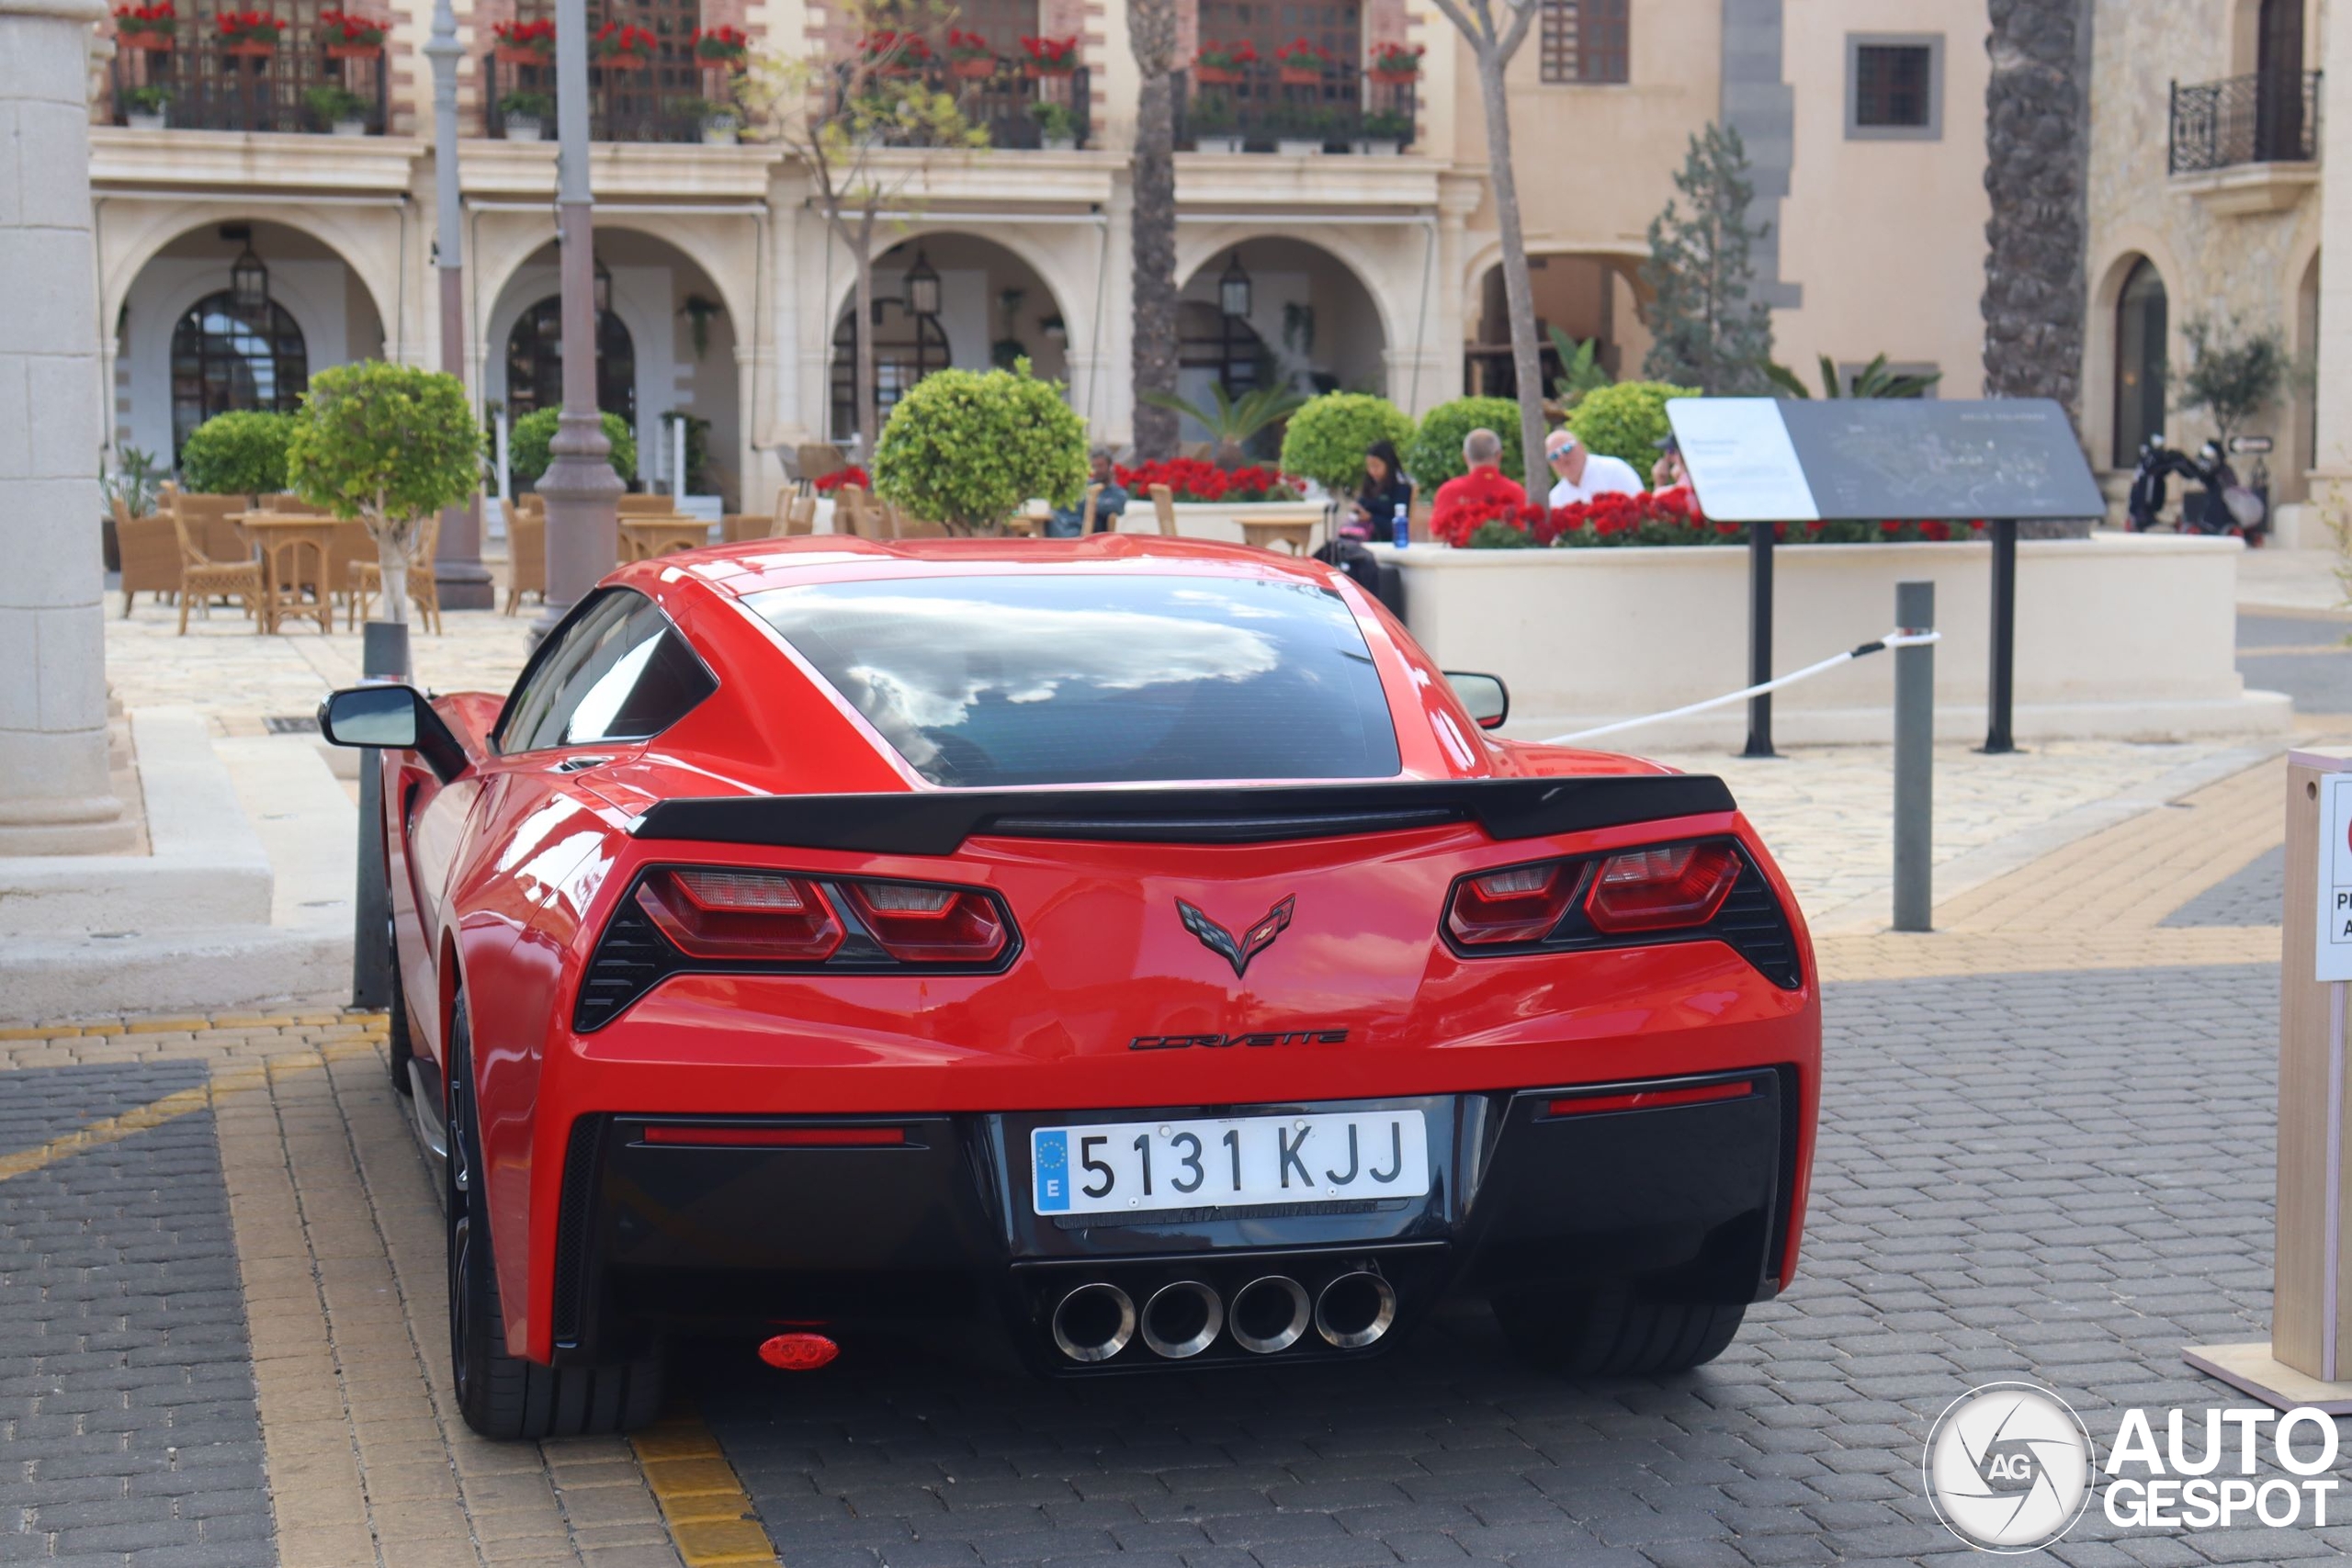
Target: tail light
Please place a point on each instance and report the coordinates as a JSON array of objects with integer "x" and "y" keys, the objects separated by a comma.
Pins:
[
  {"x": 1661, "y": 889},
  {"x": 1521, "y": 903},
  {"x": 741, "y": 914},
  {"x": 918, "y": 923}
]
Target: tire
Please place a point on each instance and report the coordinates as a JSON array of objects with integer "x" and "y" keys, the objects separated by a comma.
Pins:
[
  {"x": 1614, "y": 1333},
  {"x": 502, "y": 1395},
  {"x": 397, "y": 1032}
]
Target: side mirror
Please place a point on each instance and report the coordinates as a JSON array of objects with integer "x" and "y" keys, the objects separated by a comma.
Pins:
[
  {"x": 1486, "y": 696},
  {"x": 395, "y": 719}
]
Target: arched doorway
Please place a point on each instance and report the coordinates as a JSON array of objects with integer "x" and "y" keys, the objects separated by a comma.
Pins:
[
  {"x": 1213, "y": 348},
  {"x": 907, "y": 347},
  {"x": 1308, "y": 324},
  {"x": 229, "y": 355},
  {"x": 535, "y": 362},
  {"x": 1590, "y": 298},
  {"x": 2141, "y": 324}
]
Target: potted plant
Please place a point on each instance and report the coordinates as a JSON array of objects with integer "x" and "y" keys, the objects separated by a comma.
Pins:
[
  {"x": 1301, "y": 129},
  {"x": 969, "y": 56},
  {"x": 352, "y": 38},
  {"x": 252, "y": 35},
  {"x": 1394, "y": 64},
  {"x": 1051, "y": 56},
  {"x": 1385, "y": 131},
  {"x": 1057, "y": 126},
  {"x": 1210, "y": 118},
  {"x": 1222, "y": 64},
  {"x": 721, "y": 121},
  {"x": 1300, "y": 63},
  {"x": 146, "y": 108},
  {"x": 721, "y": 48},
  {"x": 338, "y": 108},
  {"x": 967, "y": 448},
  {"x": 894, "y": 53},
  {"x": 525, "y": 115},
  {"x": 622, "y": 46},
  {"x": 523, "y": 43},
  {"x": 146, "y": 29}
]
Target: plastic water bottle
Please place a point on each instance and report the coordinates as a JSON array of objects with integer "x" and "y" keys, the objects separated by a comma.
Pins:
[{"x": 1402, "y": 535}]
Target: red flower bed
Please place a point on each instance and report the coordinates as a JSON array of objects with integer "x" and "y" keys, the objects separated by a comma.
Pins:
[
  {"x": 622, "y": 43},
  {"x": 252, "y": 29},
  {"x": 1482, "y": 495},
  {"x": 828, "y": 484},
  {"x": 524, "y": 43},
  {"x": 1662, "y": 517},
  {"x": 721, "y": 45},
  {"x": 143, "y": 22},
  {"x": 1190, "y": 478},
  {"x": 1052, "y": 56}
]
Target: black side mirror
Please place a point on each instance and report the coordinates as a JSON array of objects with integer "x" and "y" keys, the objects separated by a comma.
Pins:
[
  {"x": 1486, "y": 696},
  {"x": 395, "y": 719}
]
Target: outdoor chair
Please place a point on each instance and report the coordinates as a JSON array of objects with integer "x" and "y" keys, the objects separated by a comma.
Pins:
[
  {"x": 794, "y": 516},
  {"x": 738, "y": 527},
  {"x": 647, "y": 506},
  {"x": 815, "y": 459},
  {"x": 526, "y": 555},
  {"x": 424, "y": 589},
  {"x": 1163, "y": 507},
  {"x": 849, "y": 513},
  {"x": 202, "y": 578},
  {"x": 150, "y": 553},
  {"x": 210, "y": 525}
]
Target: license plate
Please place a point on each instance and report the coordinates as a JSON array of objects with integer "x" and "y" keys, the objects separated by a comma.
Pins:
[{"x": 1133, "y": 1166}]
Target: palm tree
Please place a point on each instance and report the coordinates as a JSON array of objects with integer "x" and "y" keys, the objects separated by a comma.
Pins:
[
  {"x": 1231, "y": 421},
  {"x": 1151, "y": 36}
]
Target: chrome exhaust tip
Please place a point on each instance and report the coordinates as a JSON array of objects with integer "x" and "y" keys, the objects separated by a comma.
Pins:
[
  {"x": 1270, "y": 1313},
  {"x": 1094, "y": 1322},
  {"x": 1181, "y": 1319},
  {"x": 1354, "y": 1310}
]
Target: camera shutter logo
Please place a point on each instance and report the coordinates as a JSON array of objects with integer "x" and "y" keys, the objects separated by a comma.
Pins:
[{"x": 2008, "y": 1466}]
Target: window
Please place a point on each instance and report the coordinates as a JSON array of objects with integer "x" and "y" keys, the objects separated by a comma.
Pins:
[
  {"x": 1585, "y": 40},
  {"x": 535, "y": 363},
  {"x": 984, "y": 681},
  {"x": 2140, "y": 312},
  {"x": 227, "y": 357},
  {"x": 907, "y": 347},
  {"x": 616, "y": 671},
  {"x": 1895, "y": 87}
]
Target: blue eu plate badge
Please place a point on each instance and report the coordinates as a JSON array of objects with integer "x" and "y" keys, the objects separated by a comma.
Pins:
[{"x": 1049, "y": 1164}]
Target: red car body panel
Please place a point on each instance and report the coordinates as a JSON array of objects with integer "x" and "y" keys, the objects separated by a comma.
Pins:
[{"x": 506, "y": 874}]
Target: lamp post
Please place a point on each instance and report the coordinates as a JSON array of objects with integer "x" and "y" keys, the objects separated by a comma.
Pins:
[
  {"x": 584, "y": 531},
  {"x": 457, "y": 559}
]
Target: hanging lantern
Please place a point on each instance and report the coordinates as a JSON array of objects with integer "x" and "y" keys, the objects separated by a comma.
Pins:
[
  {"x": 1233, "y": 289},
  {"x": 922, "y": 287},
  {"x": 249, "y": 281},
  {"x": 604, "y": 288}
]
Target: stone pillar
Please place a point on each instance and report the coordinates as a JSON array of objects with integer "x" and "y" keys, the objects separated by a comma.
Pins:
[
  {"x": 54, "y": 794},
  {"x": 2332, "y": 458}
]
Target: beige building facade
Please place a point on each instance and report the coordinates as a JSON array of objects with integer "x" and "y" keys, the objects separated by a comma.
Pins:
[{"x": 726, "y": 298}]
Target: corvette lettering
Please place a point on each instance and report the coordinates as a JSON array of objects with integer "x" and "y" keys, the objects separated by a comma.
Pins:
[{"x": 1223, "y": 1041}]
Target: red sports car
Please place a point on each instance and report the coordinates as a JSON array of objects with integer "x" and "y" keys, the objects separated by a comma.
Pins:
[{"x": 1135, "y": 939}]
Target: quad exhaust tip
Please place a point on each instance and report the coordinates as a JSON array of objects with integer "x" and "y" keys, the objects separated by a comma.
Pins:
[
  {"x": 1270, "y": 1313},
  {"x": 1354, "y": 1310},
  {"x": 1181, "y": 1319},
  {"x": 1094, "y": 1321}
]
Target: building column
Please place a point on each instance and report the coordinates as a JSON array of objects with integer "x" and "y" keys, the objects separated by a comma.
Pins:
[
  {"x": 2332, "y": 458},
  {"x": 55, "y": 793}
]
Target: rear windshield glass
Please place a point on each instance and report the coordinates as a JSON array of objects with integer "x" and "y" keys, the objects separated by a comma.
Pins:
[{"x": 981, "y": 682}]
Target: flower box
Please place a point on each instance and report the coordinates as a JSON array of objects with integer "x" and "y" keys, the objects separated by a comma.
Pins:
[
  {"x": 144, "y": 43},
  {"x": 520, "y": 54},
  {"x": 621, "y": 62},
  {"x": 1395, "y": 78},
  {"x": 354, "y": 51},
  {"x": 1299, "y": 77},
  {"x": 972, "y": 70},
  {"x": 1218, "y": 143},
  {"x": 251, "y": 49},
  {"x": 1216, "y": 76}
]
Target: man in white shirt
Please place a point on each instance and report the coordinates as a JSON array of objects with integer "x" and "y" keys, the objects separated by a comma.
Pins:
[{"x": 1581, "y": 475}]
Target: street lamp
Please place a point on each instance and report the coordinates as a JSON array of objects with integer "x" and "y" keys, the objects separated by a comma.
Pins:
[
  {"x": 249, "y": 279},
  {"x": 922, "y": 287},
  {"x": 1233, "y": 289}
]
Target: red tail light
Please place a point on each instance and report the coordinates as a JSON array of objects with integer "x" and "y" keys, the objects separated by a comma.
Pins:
[
  {"x": 1661, "y": 889},
  {"x": 741, "y": 914},
  {"x": 917, "y": 923},
  {"x": 1519, "y": 905}
]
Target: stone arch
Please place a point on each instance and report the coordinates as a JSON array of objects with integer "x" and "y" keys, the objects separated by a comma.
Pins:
[
  {"x": 326, "y": 226},
  {"x": 1197, "y": 249},
  {"x": 2108, "y": 273},
  {"x": 1038, "y": 259},
  {"x": 1606, "y": 300}
]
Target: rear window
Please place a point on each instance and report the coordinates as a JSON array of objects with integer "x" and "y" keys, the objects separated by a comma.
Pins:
[{"x": 983, "y": 682}]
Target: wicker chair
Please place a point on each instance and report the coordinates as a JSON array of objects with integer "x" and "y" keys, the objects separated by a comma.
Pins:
[
  {"x": 150, "y": 553},
  {"x": 526, "y": 556},
  {"x": 202, "y": 578},
  {"x": 798, "y": 515},
  {"x": 1163, "y": 507},
  {"x": 367, "y": 580}
]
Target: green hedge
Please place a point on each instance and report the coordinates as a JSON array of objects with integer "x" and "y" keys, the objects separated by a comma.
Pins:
[
  {"x": 969, "y": 447},
  {"x": 1435, "y": 455},
  {"x": 1627, "y": 420},
  {"x": 1329, "y": 436},
  {"x": 527, "y": 456},
  {"x": 237, "y": 454}
]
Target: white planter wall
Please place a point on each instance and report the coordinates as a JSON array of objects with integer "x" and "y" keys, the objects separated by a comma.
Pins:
[{"x": 2118, "y": 636}]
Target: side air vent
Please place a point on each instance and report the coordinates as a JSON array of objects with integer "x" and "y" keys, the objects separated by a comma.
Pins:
[
  {"x": 580, "y": 1161},
  {"x": 1751, "y": 921},
  {"x": 630, "y": 961}
]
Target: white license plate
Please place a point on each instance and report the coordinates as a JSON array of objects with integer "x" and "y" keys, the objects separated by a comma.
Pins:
[{"x": 1132, "y": 1167}]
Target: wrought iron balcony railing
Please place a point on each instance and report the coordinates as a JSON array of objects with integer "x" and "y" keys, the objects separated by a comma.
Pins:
[
  {"x": 197, "y": 84},
  {"x": 663, "y": 100},
  {"x": 2271, "y": 118},
  {"x": 1018, "y": 108},
  {"x": 1258, "y": 105}
]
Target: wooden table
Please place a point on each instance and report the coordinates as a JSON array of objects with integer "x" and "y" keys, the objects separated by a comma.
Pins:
[
  {"x": 1294, "y": 534},
  {"x": 280, "y": 538},
  {"x": 642, "y": 538}
]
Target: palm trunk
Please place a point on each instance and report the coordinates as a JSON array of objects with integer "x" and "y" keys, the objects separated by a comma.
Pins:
[
  {"x": 1151, "y": 28},
  {"x": 1519, "y": 292}
]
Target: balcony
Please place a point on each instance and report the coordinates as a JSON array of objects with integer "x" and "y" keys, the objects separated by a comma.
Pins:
[
  {"x": 201, "y": 86},
  {"x": 1254, "y": 110},
  {"x": 1018, "y": 109},
  {"x": 2246, "y": 143}
]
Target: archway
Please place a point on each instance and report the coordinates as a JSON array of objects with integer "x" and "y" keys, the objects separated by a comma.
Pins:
[
  {"x": 2141, "y": 324},
  {"x": 535, "y": 362},
  {"x": 1309, "y": 325},
  {"x": 231, "y": 354},
  {"x": 1590, "y": 298}
]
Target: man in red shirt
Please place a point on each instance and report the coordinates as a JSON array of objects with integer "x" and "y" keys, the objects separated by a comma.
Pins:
[{"x": 1484, "y": 494}]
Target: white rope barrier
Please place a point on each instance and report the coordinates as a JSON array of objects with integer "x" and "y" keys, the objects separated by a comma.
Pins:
[{"x": 1899, "y": 638}]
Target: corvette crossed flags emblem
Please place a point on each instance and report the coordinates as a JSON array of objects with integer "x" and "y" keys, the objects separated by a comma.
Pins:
[{"x": 1239, "y": 951}]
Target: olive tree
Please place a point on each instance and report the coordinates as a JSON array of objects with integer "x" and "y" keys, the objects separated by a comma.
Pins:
[
  {"x": 390, "y": 445},
  {"x": 968, "y": 448}
]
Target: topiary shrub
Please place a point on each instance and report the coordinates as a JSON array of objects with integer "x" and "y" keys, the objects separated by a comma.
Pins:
[
  {"x": 1627, "y": 420},
  {"x": 967, "y": 448},
  {"x": 1435, "y": 454},
  {"x": 389, "y": 445},
  {"x": 526, "y": 445},
  {"x": 237, "y": 454},
  {"x": 1329, "y": 436}
]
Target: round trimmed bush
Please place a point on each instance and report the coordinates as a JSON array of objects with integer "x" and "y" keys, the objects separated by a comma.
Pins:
[
  {"x": 527, "y": 456},
  {"x": 1627, "y": 420},
  {"x": 1435, "y": 454},
  {"x": 1329, "y": 436},
  {"x": 237, "y": 454},
  {"x": 968, "y": 448}
]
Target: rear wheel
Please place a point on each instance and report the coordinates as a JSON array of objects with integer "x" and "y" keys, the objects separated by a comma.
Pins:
[
  {"x": 1614, "y": 1332},
  {"x": 499, "y": 1395}
]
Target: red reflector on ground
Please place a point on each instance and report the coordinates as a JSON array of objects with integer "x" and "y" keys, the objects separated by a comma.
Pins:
[
  {"x": 1652, "y": 1099},
  {"x": 798, "y": 1352},
  {"x": 780, "y": 1137}
]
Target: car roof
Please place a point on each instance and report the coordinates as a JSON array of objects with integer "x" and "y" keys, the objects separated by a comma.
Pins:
[{"x": 758, "y": 565}]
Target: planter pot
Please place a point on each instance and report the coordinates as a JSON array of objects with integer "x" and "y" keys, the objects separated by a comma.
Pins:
[
  {"x": 623, "y": 63},
  {"x": 508, "y": 54},
  {"x": 1377, "y": 147},
  {"x": 1217, "y": 144},
  {"x": 250, "y": 50},
  {"x": 351, "y": 127},
  {"x": 1060, "y": 143},
  {"x": 138, "y": 121},
  {"x": 1300, "y": 76},
  {"x": 1298, "y": 146},
  {"x": 1216, "y": 76},
  {"x": 144, "y": 43},
  {"x": 522, "y": 127},
  {"x": 716, "y": 133},
  {"x": 971, "y": 70},
  {"x": 1395, "y": 78},
  {"x": 1055, "y": 72},
  {"x": 354, "y": 51}
]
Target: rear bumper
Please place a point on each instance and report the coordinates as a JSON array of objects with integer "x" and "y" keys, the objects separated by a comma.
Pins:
[{"x": 1532, "y": 1191}]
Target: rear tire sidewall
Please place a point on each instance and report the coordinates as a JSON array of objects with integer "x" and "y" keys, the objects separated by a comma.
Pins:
[
  {"x": 475, "y": 1332},
  {"x": 397, "y": 1027}
]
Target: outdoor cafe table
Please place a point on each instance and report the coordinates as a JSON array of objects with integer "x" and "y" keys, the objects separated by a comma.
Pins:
[
  {"x": 1294, "y": 534},
  {"x": 642, "y": 538},
  {"x": 280, "y": 538}
]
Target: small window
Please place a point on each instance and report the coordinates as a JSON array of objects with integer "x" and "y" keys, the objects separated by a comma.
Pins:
[
  {"x": 618, "y": 670},
  {"x": 1894, "y": 87},
  {"x": 1586, "y": 40},
  {"x": 984, "y": 681}
]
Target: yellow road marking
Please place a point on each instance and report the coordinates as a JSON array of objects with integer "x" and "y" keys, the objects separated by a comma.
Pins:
[{"x": 710, "y": 1517}]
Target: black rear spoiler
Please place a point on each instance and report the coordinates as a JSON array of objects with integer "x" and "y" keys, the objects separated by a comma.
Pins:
[{"x": 929, "y": 822}]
